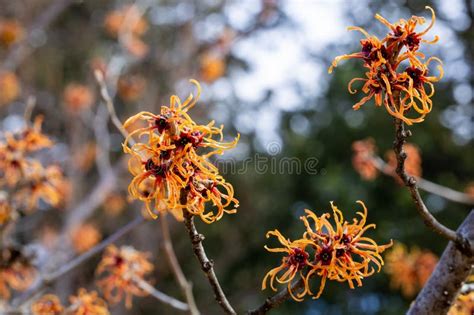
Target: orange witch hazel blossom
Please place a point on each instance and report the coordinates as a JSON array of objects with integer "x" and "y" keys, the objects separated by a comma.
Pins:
[
  {"x": 48, "y": 304},
  {"x": 409, "y": 269},
  {"x": 16, "y": 272},
  {"x": 339, "y": 252},
  {"x": 170, "y": 162},
  {"x": 402, "y": 92},
  {"x": 292, "y": 264},
  {"x": 363, "y": 158},
  {"x": 85, "y": 303},
  {"x": 464, "y": 305},
  {"x": 121, "y": 268}
]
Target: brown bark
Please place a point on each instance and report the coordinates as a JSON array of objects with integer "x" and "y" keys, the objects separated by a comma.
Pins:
[{"x": 446, "y": 281}]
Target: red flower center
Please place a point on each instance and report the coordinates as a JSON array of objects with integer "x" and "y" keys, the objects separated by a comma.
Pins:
[
  {"x": 162, "y": 124},
  {"x": 412, "y": 41},
  {"x": 298, "y": 258},
  {"x": 325, "y": 255},
  {"x": 156, "y": 170}
]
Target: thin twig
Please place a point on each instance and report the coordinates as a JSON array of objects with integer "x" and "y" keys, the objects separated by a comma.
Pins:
[
  {"x": 102, "y": 136},
  {"x": 411, "y": 183},
  {"x": 80, "y": 213},
  {"x": 49, "y": 279},
  {"x": 173, "y": 262},
  {"x": 30, "y": 105},
  {"x": 276, "y": 300},
  {"x": 206, "y": 265},
  {"x": 95, "y": 250},
  {"x": 97, "y": 196},
  {"x": 110, "y": 105},
  {"x": 160, "y": 296},
  {"x": 426, "y": 185},
  {"x": 445, "y": 192}
]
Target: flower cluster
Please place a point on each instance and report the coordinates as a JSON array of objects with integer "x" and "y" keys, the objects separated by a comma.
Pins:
[
  {"x": 131, "y": 87},
  {"x": 85, "y": 236},
  {"x": 122, "y": 268},
  {"x": 213, "y": 60},
  {"x": 363, "y": 158},
  {"x": 11, "y": 31},
  {"x": 368, "y": 164},
  {"x": 464, "y": 305},
  {"x": 412, "y": 162},
  {"x": 24, "y": 178},
  {"x": 48, "y": 304},
  {"x": 128, "y": 24},
  {"x": 114, "y": 204},
  {"x": 6, "y": 212},
  {"x": 170, "y": 163},
  {"x": 16, "y": 272},
  {"x": 77, "y": 97},
  {"x": 469, "y": 190},
  {"x": 84, "y": 303},
  {"x": 9, "y": 88},
  {"x": 409, "y": 270},
  {"x": 402, "y": 92},
  {"x": 336, "y": 251},
  {"x": 212, "y": 66}
]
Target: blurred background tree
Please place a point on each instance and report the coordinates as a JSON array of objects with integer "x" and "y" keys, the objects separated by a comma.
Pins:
[{"x": 263, "y": 69}]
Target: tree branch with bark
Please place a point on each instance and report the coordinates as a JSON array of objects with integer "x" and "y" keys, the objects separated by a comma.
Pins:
[{"x": 207, "y": 265}]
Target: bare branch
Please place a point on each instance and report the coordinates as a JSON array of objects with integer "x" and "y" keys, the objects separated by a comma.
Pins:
[
  {"x": 102, "y": 136},
  {"x": 428, "y": 186},
  {"x": 109, "y": 103},
  {"x": 49, "y": 279},
  {"x": 277, "y": 299},
  {"x": 30, "y": 105},
  {"x": 445, "y": 282},
  {"x": 95, "y": 250},
  {"x": 411, "y": 184},
  {"x": 160, "y": 296},
  {"x": 445, "y": 192},
  {"x": 173, "y": 262},
  {"x": 97, "y": 196},
  {"x": 206, "y": 265}
]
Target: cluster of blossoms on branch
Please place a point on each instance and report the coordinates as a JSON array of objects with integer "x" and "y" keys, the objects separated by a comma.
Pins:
[
  {"x": 402, "y": 92},
  {"x": 170, "y": 163},
  {"x": 16, "y": 272},
  {"x": 25, "y": 180},
  {"x": 83, "y": 303},
  {"x": 368, "y": 164},
  {"x": 85, "y": 236},
  {"x": 10, "y": 87},
  {"x": 120, "y": 273},
  {"x": 409, "y": 269},
  {"x": 27, "y": 183},
  {"x": 11, "y": 32},
  {"x": 337, "y": 251},
  {"x": 120, "y": 269},
  {"x": 127, "y": 24}
]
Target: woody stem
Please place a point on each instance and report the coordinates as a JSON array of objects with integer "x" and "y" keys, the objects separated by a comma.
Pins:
[
  {"x": 185, "y": 285},
  {"x": 206, "y": 265},
  {"x": 277, "y": 299},
  {"x": 410, "y": 182}
]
